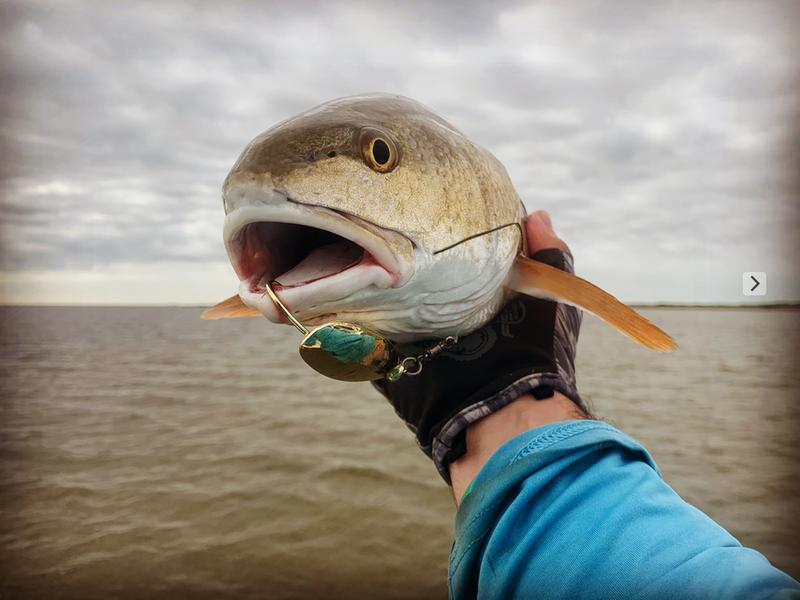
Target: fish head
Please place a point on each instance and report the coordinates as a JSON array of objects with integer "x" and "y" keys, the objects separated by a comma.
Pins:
[{"x": 373, "y": 210}]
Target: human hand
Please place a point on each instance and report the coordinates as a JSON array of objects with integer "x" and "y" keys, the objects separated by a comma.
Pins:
[{"x": 528, "y": 347}]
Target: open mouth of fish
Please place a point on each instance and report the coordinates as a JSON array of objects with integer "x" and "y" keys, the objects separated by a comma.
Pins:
[{"x": 314, "y": 255}]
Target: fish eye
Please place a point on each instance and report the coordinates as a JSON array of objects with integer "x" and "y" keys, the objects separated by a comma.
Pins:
[{"x": 378, "y": 150}]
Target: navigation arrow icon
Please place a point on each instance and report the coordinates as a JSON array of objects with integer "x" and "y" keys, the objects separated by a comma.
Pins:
[{"x": 754, "y": 283}]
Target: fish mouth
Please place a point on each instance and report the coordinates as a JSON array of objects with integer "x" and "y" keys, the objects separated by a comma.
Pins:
[{"x": 315, "y": 256}]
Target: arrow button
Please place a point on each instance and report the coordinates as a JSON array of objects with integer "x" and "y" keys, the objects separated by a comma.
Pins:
[{"x": 754, "y": 283}]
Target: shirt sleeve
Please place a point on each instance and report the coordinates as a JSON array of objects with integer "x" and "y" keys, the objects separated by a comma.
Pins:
[{"x": 578, "y": 509}]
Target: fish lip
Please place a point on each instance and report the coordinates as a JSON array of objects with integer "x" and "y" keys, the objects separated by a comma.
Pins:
[{"x": 381, "y": 265}]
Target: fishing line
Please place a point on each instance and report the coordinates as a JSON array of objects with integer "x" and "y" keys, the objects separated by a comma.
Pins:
[{"x": 477, "y": 235}]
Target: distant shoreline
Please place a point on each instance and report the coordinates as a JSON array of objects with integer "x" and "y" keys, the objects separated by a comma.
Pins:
[
  {"x": 731, "y": 306},
  {"x": 784, "y": 305}
]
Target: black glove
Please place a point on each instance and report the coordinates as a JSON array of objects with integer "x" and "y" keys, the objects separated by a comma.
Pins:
[{"x": 528, "y": 347}]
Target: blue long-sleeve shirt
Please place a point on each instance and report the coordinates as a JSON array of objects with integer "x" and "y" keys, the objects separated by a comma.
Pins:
[{"x": 578, "y": 509}]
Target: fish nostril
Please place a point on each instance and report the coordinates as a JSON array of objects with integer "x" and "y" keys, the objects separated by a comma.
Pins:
[{"x": 320, "y": 155}]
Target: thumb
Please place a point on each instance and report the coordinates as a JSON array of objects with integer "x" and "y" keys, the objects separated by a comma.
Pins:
[{"x": 540, "y": 232}]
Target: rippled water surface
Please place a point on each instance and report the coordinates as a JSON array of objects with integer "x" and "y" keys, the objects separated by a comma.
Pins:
[{"x": 144, "y": 452}]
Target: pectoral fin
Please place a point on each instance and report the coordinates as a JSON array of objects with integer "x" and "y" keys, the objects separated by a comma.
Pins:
[
  {"x": 543, "y": 281},
  {"x": 232, "y": 308}
]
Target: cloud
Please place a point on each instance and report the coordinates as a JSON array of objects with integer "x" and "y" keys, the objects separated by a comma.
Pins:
[{"x": 662, "y": 139}]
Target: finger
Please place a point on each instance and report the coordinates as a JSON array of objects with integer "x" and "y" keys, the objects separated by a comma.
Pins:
[{"x": 540, "y": 232}]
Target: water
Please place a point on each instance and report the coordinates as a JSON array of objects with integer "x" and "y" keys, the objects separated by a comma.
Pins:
[{"x": 144, "y": 452}]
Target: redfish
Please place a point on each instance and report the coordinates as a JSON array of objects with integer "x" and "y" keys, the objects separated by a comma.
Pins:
[{"x": 374, "y": 210}]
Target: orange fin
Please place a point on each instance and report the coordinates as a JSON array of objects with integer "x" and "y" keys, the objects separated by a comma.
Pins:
[
  {"x": 232, "y": 308},
  {"x": 543, "y": 281}
]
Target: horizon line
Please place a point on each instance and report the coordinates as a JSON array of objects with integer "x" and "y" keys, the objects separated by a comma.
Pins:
[{"x": 776, "y": 304}]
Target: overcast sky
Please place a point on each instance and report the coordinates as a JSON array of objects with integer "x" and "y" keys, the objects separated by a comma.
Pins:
[{"x": 663, "y": 140}]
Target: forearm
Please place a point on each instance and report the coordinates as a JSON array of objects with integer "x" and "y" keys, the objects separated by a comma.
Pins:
[
  {"x": 491, "y": 432},
  {"x": 577, "y": 509}
]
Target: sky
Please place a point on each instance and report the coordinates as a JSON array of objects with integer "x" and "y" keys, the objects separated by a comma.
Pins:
[{"x": 663, "y": 138}]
